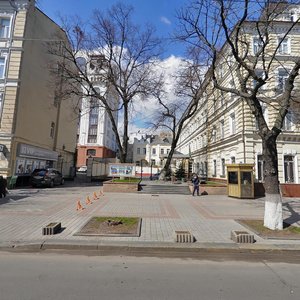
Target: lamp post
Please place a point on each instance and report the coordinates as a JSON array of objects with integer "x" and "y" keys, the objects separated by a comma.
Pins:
[
  {"x": 141, "y": 169},
  {"x": 151, "y": 169},
  {"x": 60, "y": 162},
  {"x": 61, "y": 165}
]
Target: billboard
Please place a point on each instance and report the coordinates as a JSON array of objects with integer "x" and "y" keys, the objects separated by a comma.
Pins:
[{"x": 121, "y": 170}]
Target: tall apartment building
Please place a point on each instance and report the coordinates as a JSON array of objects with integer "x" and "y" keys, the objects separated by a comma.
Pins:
[
  {"x": 37, "y": 129},
  {"x": 224, "y": 131},
  {"x": 96, "y": 137}
]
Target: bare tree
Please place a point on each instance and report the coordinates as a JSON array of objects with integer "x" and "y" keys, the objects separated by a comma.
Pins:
[
  {"x": 173, "y": 113},
  {"x": 247, "y": 40},
  {"x": 112, "y": 52}
]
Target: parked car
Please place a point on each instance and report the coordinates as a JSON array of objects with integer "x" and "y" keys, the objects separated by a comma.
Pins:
[
  {"x": 155, "y": 176},
  {"x": 46, "y": 177},
  {"x": 82, "y": 169}
]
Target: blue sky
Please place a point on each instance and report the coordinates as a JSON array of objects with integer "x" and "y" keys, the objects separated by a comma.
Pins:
[{"x": 161, "y": 13}]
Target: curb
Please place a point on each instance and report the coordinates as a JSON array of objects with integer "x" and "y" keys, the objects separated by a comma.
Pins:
[{"x": 208, "y": 251}]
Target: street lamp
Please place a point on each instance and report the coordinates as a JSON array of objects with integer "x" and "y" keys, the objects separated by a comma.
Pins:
[{"x": 151, "y": 169}]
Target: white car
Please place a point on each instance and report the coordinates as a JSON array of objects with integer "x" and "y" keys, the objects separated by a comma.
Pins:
[{"x": 82, "y": 169}]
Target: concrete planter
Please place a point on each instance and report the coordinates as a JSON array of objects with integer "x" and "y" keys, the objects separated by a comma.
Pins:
[
  {"x": 120, "y": 187},
  {"x": 183, "y": 237},
  {"x": 52, "y": 228},
  {"x": 242, "y": 237}
]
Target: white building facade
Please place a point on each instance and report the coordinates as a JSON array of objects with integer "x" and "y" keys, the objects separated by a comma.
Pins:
[
  {"x": 150, "y": 150},
  {"x": 95, "y": 136},
  {"x": 224, "y": 131}
]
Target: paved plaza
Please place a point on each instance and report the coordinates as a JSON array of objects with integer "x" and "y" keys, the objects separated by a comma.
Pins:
[{"x": 210, "y": 218}]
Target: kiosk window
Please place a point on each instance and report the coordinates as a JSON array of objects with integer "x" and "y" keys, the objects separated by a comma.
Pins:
[
  {"x": 246, "y": 177},
  {"x": 233, "y": 177}
]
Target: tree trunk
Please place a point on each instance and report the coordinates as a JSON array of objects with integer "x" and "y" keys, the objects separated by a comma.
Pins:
[
  {"x": 273, "y": 202},
  {"x": 167, "y": 165}
]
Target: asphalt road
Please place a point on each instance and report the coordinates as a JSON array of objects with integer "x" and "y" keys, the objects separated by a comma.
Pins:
[{"x": 60, "y": 276}]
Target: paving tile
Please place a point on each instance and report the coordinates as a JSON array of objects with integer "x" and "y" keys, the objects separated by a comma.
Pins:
[{"x": 209, "y": 218}]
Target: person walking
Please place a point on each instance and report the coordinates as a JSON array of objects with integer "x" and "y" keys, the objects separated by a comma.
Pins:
[
  {"x": 196, "y": 183},
  {"x": 3, "y": 186}
]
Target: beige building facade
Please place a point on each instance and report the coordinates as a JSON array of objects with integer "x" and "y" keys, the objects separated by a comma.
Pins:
[
  {"x": 224, "y": 131},
  {"x": 36, "y": 128}
]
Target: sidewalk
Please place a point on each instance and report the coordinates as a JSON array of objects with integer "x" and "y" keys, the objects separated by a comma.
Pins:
[{"x": 209, "y": 218}]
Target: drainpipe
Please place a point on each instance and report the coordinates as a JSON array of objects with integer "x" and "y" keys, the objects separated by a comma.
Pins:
[
  {"x": 58, "y": 109},
  {"x": 243, "y": 130}
]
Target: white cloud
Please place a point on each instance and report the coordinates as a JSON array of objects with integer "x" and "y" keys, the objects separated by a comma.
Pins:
[
  {"x": 165, "y": 20},
  {"x": 145, "y": 111}
]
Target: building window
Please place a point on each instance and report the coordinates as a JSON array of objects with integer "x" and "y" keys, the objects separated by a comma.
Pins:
[
  {"x": 4, "y": 27},
  {"x": 289, "y": 168},
  {"x": 153, "y": 151},
  {"x": 284, "y": 47},
  {"x": 168, "y": 151},
  {"x": 162, "y": 151},
  {"x": 91, "y": 152},
  {"x": 52, "y": 128},
  {"x": 293, "y": 16},
  {"x": 144, "y": 150},
  {"x": 282, "y": 77},
  {"x": 1, "y": 104},
  {"x": 215, "y": 105},
  {"x": 214, "y": 168},
  {"x": 138, "y": 151},
  {"x": 257, "y": 45},
  {"x": 214, "y": 134},
  {"x": 287, "y": 123},
  {"x": 232, "y": 123},
  {"x": 260, "y": 74},
  {"x": 260, "y": 168},
  {"x": 222, "y": 100},
  {"x": 222, "y": 129},
  {"x": 223, "y": 167},
  {"x": 2, "y": 66},
  {"x": 93, "y": 121}
]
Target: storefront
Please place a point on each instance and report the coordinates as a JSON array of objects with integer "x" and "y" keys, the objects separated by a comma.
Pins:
[{"x": 29, "y": 157}]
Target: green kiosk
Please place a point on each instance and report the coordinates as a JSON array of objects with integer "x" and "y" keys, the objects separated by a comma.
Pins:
[{"x": 240, "y": 183}]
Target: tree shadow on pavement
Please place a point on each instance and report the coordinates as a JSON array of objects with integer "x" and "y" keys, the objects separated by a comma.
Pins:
[
  {"x": 294, "y": 216},
  {"x": 12, "y": 199}
]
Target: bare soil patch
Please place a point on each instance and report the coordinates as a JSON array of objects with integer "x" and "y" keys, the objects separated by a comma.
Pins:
[
  {"x": 112, "y": 226},
  {"x": 257, "y": 226}
]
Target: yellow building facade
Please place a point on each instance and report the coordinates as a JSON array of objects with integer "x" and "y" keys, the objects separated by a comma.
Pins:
[{"x": 36, "y": 128}]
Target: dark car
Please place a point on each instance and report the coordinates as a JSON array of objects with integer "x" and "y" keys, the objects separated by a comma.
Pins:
[
  {"x": 155, "y": 176},
  {"x": 46, "y": 177}
]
